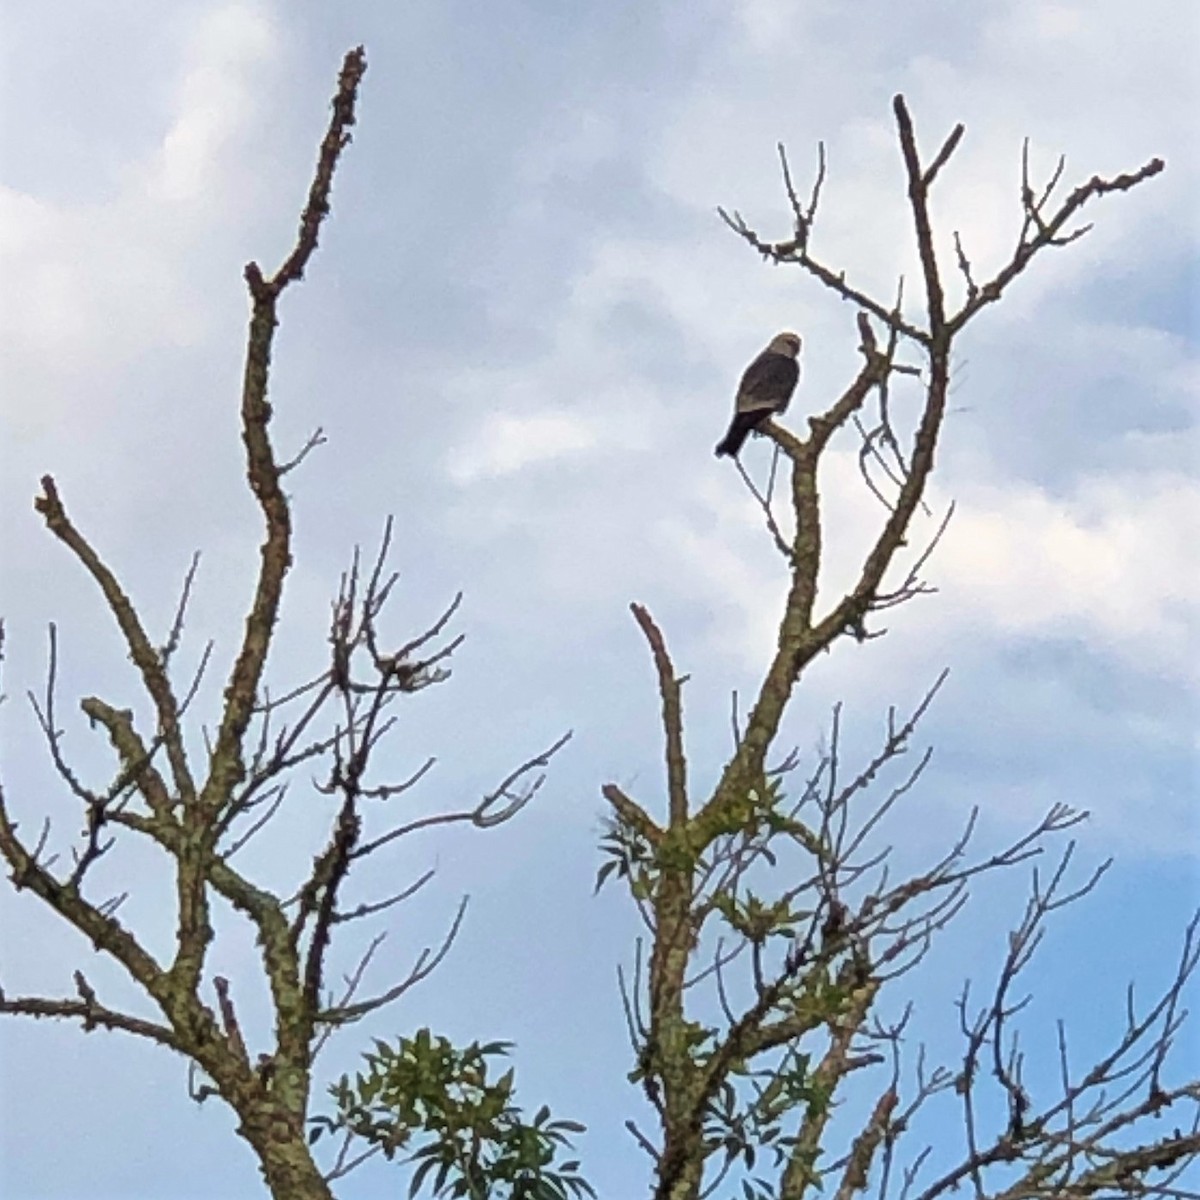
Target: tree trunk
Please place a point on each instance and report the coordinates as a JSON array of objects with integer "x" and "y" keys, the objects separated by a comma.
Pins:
[{"x": 283, "y": 1156}]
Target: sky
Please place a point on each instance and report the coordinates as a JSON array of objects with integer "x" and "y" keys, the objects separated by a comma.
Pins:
[{"x": 520, "y": 335}]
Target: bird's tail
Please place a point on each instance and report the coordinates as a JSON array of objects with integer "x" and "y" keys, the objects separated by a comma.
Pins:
[{"x": 739, "y": 430}]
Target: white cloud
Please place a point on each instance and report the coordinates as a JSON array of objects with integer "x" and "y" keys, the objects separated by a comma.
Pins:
[
  {"x": 218, "y": 98},
  {"x": 90, "y": 285},
  {"x": 1114, "y": 564},
  {"x": 506, "y": 444},
  {"x": 1046, "y": 72},
  {"x": 1111, "y": 564}
]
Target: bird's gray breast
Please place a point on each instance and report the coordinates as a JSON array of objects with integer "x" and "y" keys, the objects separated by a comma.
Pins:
[{"x": 768, "y": 383}]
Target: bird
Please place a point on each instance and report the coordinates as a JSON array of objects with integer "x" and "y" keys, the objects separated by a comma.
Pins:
[{"x": 765, "y": 389}]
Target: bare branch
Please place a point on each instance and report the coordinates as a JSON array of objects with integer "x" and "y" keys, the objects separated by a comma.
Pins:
[
  {"x": 485, "y": 815},
  {"x": 90, "y": 1012},
  {"x": 144, "y": 656},
  {"x": 943, "y": 155},
  {"x": 426, "y": 963},
  {"x": 176, "y": 631},
  {"x": 352, "y": 983},
  {"x": 233, "y": 1030},
  {"x": 1041, "y": 231},
  {"x": 918, "y": 185},
  {"x": 765, "y": 504},
  {"x": 263, "y": 473},
  {"x": 669, "y": 687},
  {"x": 316, "y": 438},
  {"x": 791, "y": 251}
]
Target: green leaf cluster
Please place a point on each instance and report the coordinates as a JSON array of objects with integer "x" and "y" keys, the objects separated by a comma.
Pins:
[{"x": 461, "y": 1128}]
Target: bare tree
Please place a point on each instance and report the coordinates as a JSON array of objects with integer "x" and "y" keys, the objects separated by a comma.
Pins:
[
  {"x": 201, "y": 812},
  {"x": 777, "y": 926}
]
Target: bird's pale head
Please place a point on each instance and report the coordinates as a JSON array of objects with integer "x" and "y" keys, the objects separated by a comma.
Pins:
[{"x": 785, "y": 343}]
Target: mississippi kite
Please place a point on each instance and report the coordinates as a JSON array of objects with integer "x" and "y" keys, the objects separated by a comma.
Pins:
[{"x": 765, "y": 389}]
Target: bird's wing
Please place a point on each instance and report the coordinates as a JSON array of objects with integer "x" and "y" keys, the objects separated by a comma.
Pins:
[{"x": 768, "y": 383}]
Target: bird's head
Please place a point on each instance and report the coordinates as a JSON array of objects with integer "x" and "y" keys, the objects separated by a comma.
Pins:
[{"x": 785, "y": 343}]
